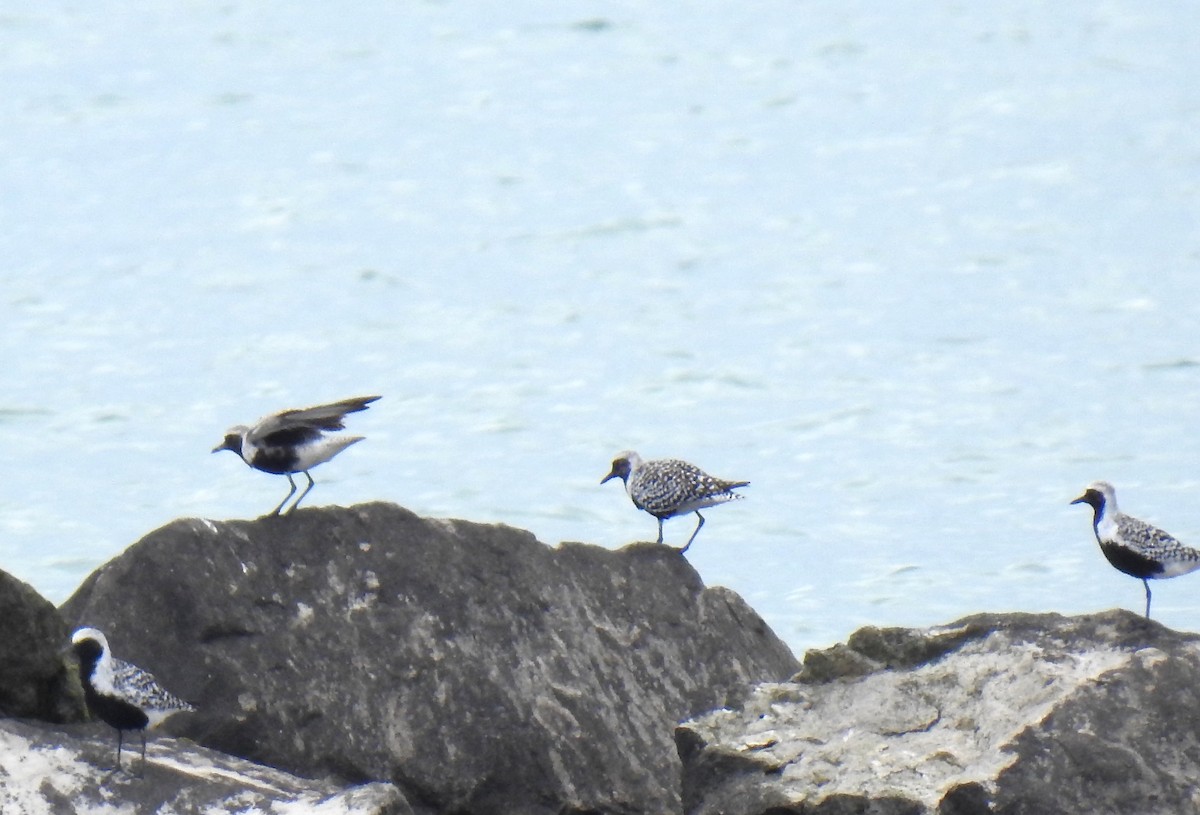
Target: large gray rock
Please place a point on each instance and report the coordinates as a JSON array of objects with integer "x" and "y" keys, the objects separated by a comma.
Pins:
[
  {"x": 478, "y": 669},
  {"x": 69, "y": 771},
  {"x": 1005, "y": 714},
  {"x": 35, "y": 680}
]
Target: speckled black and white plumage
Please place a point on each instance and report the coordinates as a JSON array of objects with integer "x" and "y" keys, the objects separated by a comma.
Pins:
[
  {"x": 1134, "y": 546},
  {"x": 669, "y": 487},
  {"x": 118, "y": 693},
  {"x": 294, "y": 441}
]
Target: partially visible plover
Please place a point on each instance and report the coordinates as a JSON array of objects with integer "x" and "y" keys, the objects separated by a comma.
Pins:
[
  {"x": 669, "y": 487},
  {"x": 294, "y": 441},
  {"x": 1133, "y": 546},
  {"x": 118, "y": 693}
]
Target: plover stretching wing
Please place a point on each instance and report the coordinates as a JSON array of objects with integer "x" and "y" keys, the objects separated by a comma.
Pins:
[
  {"x": 120, "y": 694},
  {"x": 294, "y": 441},
  {"x": 669, "y": 487},
  {"x": 1133, "y": 546}
]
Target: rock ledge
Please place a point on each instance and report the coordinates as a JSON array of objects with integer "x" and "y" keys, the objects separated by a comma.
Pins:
[{"x": 992, "y": 714}]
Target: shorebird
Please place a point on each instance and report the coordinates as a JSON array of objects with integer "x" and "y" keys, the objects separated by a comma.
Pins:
[
  {"x": 294, "y": 441},
  {"x": 669, "y": 487},
  {"x": 1132, "y": 546},
  {"x": 118, "y": 693}
]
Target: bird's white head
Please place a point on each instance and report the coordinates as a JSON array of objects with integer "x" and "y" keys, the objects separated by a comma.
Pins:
[
  {"x": 233, "y": 439},
  {"x": 1100, "y": 496},
  {"x": 90, "y": 646},
  {"x": 85, "y": 634},
  {"x": 624, "y": 464}
]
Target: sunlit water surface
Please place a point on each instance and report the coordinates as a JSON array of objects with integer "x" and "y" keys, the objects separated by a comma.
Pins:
[{"x": 919, "y": 271}]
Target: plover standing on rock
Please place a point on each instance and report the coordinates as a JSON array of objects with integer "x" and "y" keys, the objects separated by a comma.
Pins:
[
  {"x": 118, "y": 693},
  {"x": 1132, "y": 546},
  {"x": 294, "y": 441},
  {"x": 669, "y": 487}
]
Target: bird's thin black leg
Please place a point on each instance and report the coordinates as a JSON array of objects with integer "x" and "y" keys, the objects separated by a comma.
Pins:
[
  {"x": 1146, "y": 583},
  {"x": 120, "y": 739},
  {"x": 306, "y": 489},
  {"x": 694, "y": 533},
  {"x": 143, "y": 767},
  {"x": 286, "y": 497},
  {"x": 660, "y": 520}
]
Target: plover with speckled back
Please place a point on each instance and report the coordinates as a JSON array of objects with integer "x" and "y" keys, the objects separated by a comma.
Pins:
[
  {"x": 669, "y": 487},
  {"x": 1133, "y": 546},
  {"x": 294, "y": 441},
  {"x": 120, "y": 694}
]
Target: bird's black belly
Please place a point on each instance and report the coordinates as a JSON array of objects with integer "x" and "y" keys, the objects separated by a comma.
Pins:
[
  {"x": 115, "y": 712},
  {"x": 1130, "y": 562},
  {"x": 276, "y": 460}
]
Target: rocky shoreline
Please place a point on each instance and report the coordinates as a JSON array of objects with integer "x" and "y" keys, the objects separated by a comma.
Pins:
[{"x": 367, "y": 660}]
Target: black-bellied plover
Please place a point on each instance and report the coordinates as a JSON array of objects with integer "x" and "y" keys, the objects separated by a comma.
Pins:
[
  {"x": 669, "y": 487},
  {"x": 1132, "y": 546},
  {"x": 294, "y": 441},
  {"x": 118, "y": 693}
]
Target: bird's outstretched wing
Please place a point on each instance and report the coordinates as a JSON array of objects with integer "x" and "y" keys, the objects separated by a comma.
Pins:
[{"x": 302, "y": 424}]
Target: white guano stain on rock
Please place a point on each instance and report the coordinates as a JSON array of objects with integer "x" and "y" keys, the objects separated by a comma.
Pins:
[
  {"x": 42, "y": 768},
  {"x": 304, "y": 614}
]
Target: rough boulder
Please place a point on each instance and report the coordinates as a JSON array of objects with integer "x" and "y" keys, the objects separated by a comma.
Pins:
[
  {"x": 35, "y": 680},
  {"x": 478, "y": 669},
  {"x": 992, "y": 715}
]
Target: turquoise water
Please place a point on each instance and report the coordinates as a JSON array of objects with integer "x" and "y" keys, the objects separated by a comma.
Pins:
[{"x": 918, "y": 272}]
